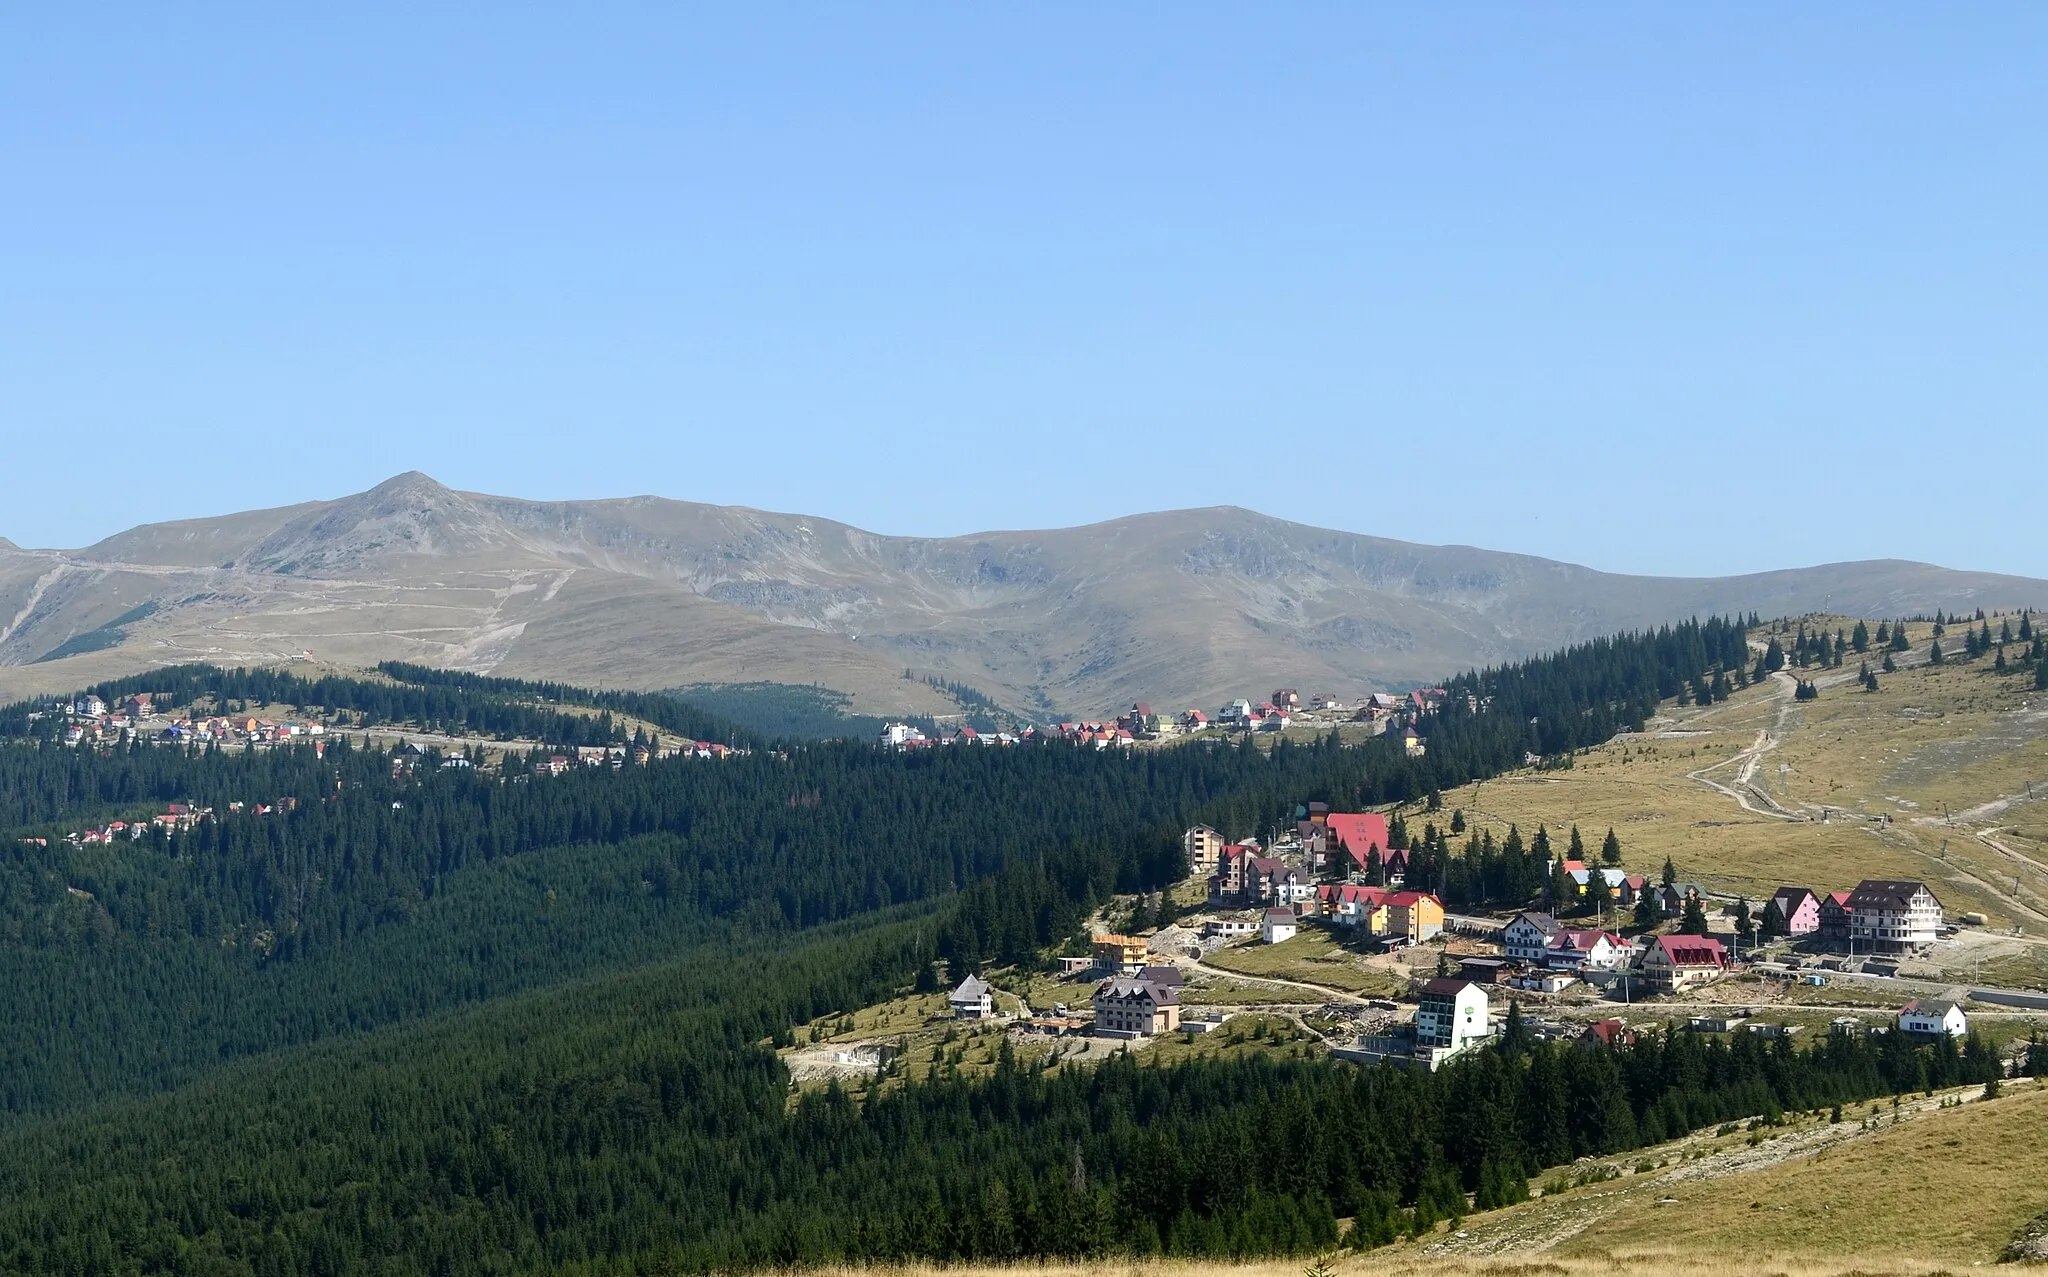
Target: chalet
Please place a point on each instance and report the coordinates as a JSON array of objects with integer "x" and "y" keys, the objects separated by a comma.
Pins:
[
  {"x": 1350, "y": 905},
  {"x": 1262, "y": 877},
  {"x": 1629, "y": 890},
  {"x": 1799, "y": 908},
  {"x": 1287, "y": 699},
  {"x": 1413, "y": 916},
  {"x": 1413, "y": 743},
  {"x": 1238, "y": 711},
  {"x": 1671, "y": 897},
  {"x": 1672, "y": 963},
  {"x": 1527, "y": 936},
  {"x": 1279, "y": 925},
  {"x": 1359, "y": 833},
  {"x": 1324, "y": 702},
  {"x": 1293, "y": 888},
  {"x": 1582, "y": 950},
  {"x": 1608, "y": 1032},
  {"x": 1166, "y": 975},
  {"x": 1834, "y": 918},
  {"x": 1194, "y": 720},
  {"x": 1203, "y": 845},
  {"x": 1481, "y": 970},
  {"x": 1888, "y": 916},
  {"x": 1933, "y": 1016},
  {"x": 972, "y": 1000},
  {"x": 1133, "y": 1008},
  {"x": 1275, "y": 721}
]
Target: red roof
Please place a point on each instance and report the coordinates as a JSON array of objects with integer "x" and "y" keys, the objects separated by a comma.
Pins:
[
  {"x": 1407, "y": 899},
  {"x": 1693, "y": 951},
  {"x": 1359, "y": 831}
]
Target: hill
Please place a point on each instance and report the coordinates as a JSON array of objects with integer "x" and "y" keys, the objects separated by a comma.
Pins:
[{"x": 1181, "y": 607}]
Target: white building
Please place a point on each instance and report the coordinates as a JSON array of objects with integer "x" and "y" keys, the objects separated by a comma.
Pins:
[
  {"x": 1933, "y": 1015},
  {"x": 1280, "y": 925},
  {"x": 1203, "y": 846},
  {"x": 1887, "y": 916},
  {"x": 1527, "y": 936},
  {"x": 973, "y": 1000},
  {"x": 1587, "y": 950},
  {"x": 1451, "y": 1016}
]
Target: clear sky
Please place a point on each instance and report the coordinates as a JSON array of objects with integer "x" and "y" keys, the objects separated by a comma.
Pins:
[{"x": 1658, "y": 288}]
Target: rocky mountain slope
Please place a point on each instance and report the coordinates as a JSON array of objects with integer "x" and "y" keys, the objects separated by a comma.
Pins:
[{"x": 1178, "y": 608}]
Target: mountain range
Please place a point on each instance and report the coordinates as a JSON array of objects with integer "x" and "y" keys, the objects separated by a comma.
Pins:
[{"x": 1184, "y": 607}]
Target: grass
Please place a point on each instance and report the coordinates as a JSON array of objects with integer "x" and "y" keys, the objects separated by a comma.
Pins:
[
  {"x": 1948, "y": 738},
  {"x": 1311, "y": 957},
  {"x": 1948, "y": 1186}
]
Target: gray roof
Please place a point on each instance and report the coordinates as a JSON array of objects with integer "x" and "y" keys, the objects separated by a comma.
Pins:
[
  {"x": 972, "y": 989},
  {"x": 1541, "y": 921},
  {"x": 1161, "y": 995}
]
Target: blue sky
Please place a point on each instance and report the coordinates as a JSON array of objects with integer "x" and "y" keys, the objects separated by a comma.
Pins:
[{"x": 1673, "y": 289}]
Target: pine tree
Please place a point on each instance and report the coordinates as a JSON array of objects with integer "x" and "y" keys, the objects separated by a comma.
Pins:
[
  {"x": 1540, "y": 846},
  {"x": 1670, "y": 872},
  {"x": 1599, "y": 896},
  {"x": 1998, "y": 666},
  {"x": 1610, "y": 849},
  {"x": 2026, "y": 626},
  {"x": 1694, "y": 921},
  {"x": 1774, "y": 657},
  {"x": 2041, "y": 676},
  {"x": 1889, "y": 665},
  {"x": 1774, "y": 923},
  {"x": 1458, "y": 821},
  {"x": 1934, "y": 656},
  {"x": 1860, "y": 639},
  {"x": 1884, "y": 633},
  {"x": 1646, "y": 910},
  {"x": 1745, "y": 923}
]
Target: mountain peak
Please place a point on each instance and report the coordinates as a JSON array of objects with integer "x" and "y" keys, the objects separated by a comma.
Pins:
[{"x": 408, "y": 514}]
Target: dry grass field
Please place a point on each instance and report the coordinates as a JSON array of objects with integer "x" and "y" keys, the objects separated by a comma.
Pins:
[
  {"x": 1312, "y": 957},
  {"x": 1942, "y": 775}
]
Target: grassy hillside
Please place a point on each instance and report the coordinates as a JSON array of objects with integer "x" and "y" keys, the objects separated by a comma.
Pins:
[{"x": 1928, "y": 778}]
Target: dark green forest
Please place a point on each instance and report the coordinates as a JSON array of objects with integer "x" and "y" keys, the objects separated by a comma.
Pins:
[{"x": 431, "y": 1018}]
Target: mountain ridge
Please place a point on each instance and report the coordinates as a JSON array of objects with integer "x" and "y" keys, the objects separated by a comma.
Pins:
[{"x": 1176, "y": 607}]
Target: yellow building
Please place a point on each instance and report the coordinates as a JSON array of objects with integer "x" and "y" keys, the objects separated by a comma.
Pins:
[{"x": 1114, "y": 953}]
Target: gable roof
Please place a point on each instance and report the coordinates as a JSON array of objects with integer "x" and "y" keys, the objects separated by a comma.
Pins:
[
  {"x": 1541, "y": 921},
  {"x": 1885, "y": 893},
  {"x": 1129, "y": 988},
  {"x": 972, "y": 989},
  {"x": 1936, "y": 1007},
  {"x": 1693, "y": 951},
  {"x": 1790, "y": 898},
  {"x": 1279, "y": 915},
  {"x": 1358, "y": 831}
]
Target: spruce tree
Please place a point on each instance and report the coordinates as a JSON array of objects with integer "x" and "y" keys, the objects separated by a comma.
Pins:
[
  {"x": 1745, "y": 923},
  {"x": 1934, "y": 656},
  {"x": 1889, "y": 665},
  {"x": 1694, "y": 920},
  {"x": 1670, "y": 872},
  {"x": 1458, "y": 821},
  {"x": 1774, "y": 924},
  {"x": 1610, "y": 849},
  {"x": 1599, "y": 896},
  {"x": 1646, "y": 910},
  {"x": 1860, "y": 639},
  {"x": 2041, "y": 676},
  {"x": 2026, "y": 626},
  {"x": 1578, "y": 846},
  {"x": 1884, "y": 633}
]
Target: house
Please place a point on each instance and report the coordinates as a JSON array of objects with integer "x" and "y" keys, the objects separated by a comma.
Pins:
[
  {"x": 1413, "y": 916},
  {"x": 1280, "y": 925},
  {"x": 1608, "y": 1032},
  {"x": 1933, "y": 1016},
  {"x": 1119, "y": 953},
  {"x": 1294, "y": 888},
  {"x": 1629, "y": 890},
  {"x": 1451, "y": 1015},
  {"x": 1889, "y": 916},
  {"x": 973, "y": 1000},
  {"x": 1132, "y": 1008},
  {"x": 1238, "y": 711},
  {"x": 1227, "y": 883},
  {"x": 1412, "y": 742},
  {"x": 1672, "y": 963},
  {"x": 1584, "y": 950},
  {"x": 1527, "y": 936},
  {"x": 1194, "y": 720},
  {"x": 1203, "y": 846},
  {"x": 1543, "y": 981},
  {"x": 1261, "y": 877},
  {"x": 1359, "y": 833},
  {"x": 1287, "y": 698},
  {"x": 1671, "y": 897},
  {"x": 1275, "y": 721},
  {"x": 1800, "y": 909},
  {"x": 1324, "y": 702},
  {"x": 1481, "y": 970},
  {"x": 1834, "y": 918},
  {"x": 1350, "y": 905}
]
